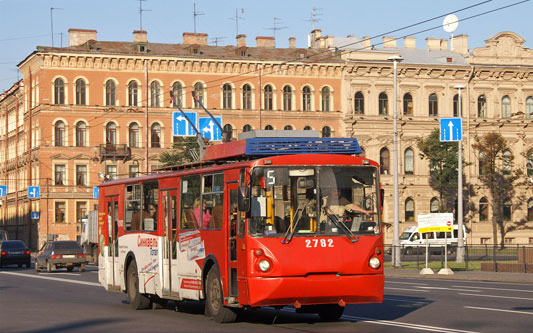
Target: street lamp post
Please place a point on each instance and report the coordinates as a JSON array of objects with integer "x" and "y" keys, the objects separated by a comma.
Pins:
[
  {"x": 396, "y": 223},
  {"x": 460, "y": 242}
]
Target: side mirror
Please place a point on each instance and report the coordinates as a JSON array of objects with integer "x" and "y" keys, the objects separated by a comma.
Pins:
[{"x": 244, "y": 199}]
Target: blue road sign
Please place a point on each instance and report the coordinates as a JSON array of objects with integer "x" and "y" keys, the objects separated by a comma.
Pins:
[
  {"x": 209, "y": 129},
  {"x": 3, "y": 190},
  {"x": 34, "y": 215},
  {"x": 96, "y": 192},
  {"x": 451, "y": 129},
  {"x": 33, "y": 192},
  {"x": 180, "y": 125}
]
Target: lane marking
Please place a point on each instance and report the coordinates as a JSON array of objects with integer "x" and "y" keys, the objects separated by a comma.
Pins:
[
  {"x": 415, "y": 290},
  {"x": 509, "y": 297},
  {"x": 454, "y": 289},
  {"x": 469, "y": 281},
  {"x": 94, "y": 284},
  {"x": 417, "y": 284},
  {"x": 518, "y": 290},
  {"x": 500, "y": 310},
  {"x": 393, "y": 299}
]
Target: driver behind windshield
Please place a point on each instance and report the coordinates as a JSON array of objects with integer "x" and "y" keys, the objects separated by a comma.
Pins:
[{"x": 336, "y": 204}]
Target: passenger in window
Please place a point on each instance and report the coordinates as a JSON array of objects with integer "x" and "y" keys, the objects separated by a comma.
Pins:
[
  {"x": 206, "y": 217},
  {"x": 137, "y": 218}
]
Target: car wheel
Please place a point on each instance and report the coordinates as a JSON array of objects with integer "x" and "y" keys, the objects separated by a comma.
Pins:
[
  {"x": 37, "y": 269},
  {"x": 69, "y": 268},
  {"x": 28, "y": 265},
  {"x": 214, "y": 299},
  {"x": 20, "y": 265},
  {"x": 137, "y": 300},
  {"x": 330, "y": 312},
  {"x": 81, "y": 268},
  {"x": 409, "y": 251},
  {"x": 50, "y": 267}
]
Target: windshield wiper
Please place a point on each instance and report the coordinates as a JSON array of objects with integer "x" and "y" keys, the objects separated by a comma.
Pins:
[
  {"x": 343, "y": 227},
  {"x": 286, "y": 240}
]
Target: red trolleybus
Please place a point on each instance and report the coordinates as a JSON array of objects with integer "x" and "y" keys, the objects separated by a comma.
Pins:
[{"x": 262, "y": 221}]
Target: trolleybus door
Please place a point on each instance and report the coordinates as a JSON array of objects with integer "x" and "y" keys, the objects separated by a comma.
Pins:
[
  {"x": 112, "y": 273},
  {"x": 233, "y": 243},
  {"x": 168, "y": 245}
]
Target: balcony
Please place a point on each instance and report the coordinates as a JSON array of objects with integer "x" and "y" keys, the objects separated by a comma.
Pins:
[{"x": 114, "y": 151}]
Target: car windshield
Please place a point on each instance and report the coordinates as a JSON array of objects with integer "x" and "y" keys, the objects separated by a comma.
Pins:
[
  {"x": 13, "y": 245},
  {"x": 324, "y": 200},
  {"x": 405, "y": 235},
  {"x": 67, "y": 245}
]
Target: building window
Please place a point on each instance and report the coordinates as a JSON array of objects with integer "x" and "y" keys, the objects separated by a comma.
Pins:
[
  {"x": 268, "y": 98},
  {"x": 287, "y": 98},
  {"x": 508, "y": 241},
  {"x": 81, "y": 134},
  {"x": 155, "y": 94},
  {"x": 482, "y": 107},
  {"x": 133, "y": 93},
  {"x": 227, "y": 96},
  {"x": 529, "y": 163},
  {"x": 247, "y": 97},
  {"x": 506, "y": 162},
  {"x": 507, "y": 216},
  {"x": 308, "y": 128},
  {"x": 482, "y": 163},
  {"x": 483, "y": 209},
  {"x": 81, "y": 175},
  {"x": 81, "y": 211},
  {"x": 59, "y": 131},
  {"x": 198, "y": 95},
  {"x": 383, "y": 104},
  {"x": 359, "y": 103},
  {"x": 60, "y": 174},
  {"x": 228, "y": 130},
  {"x": 326, "y": 99},
  {"x": 134, "y": 135},
  {"x": 530, "y": 209},
  {"x": 407, "y": 104},
  {"x": 506, "y": 107},
  {"x": 484, "y": 241},
  {"x": 306, "y": 99},
  {"x": 111, "y": 172},
  {"x": 529, "y": 107},
  {"x": 409, "y": 157},
  {"x": 80, "y": 92},
  {"x": 384, "y": 161},
  {"x": 247, "y": 128},
  {"x": 60, "y": 210},
  {"x": 456, "y": 105},
  {"x": 59, "y": 91},
  {"x": 134, "y": 171},
  {"x": 177, "y": 92},
  {"x": 111, "y": 134},
  {"x": 326, "y": 132},
  {"x": 409, "y": 210},
  {"x": 155, "y": 136},
  {"x": 434, "y": 205},
  {"x": 433, "y": 105},
  {"x": 269, "y": 128},
  {"x": 110, "y": 95},
  {"x": 288, "y": 128}
]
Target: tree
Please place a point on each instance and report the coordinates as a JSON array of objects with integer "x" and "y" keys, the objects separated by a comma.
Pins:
[
  {"x": 184, "y": 151},
  {"x": 442, "y": 157}
]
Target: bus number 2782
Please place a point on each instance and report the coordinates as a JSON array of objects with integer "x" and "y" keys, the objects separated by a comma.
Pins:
[{"x": 319, "y": 243}]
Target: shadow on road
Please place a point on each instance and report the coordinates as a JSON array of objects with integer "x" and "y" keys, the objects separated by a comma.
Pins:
[{"x": 82, "y": 325}]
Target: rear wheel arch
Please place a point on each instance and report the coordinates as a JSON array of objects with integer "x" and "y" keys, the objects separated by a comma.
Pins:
[{"x": 130, "y": 257}]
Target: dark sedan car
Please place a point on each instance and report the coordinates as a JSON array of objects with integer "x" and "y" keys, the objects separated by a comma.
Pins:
[
  {"x": 14, "y": 252},
  {"x": 60, "y": 254}
]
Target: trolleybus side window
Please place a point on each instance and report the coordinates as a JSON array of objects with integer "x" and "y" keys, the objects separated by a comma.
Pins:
[
  {"x": 150, "y": 205},
  {"x": 133, "y": 207},
  {"x": 190, "y": 196},
  {"x": 212, "y": 201}
]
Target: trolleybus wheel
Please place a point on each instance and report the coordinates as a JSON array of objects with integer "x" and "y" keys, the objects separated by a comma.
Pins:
[
  {"x": 330, "y": 312},
  {"x": 137, "y": 300},
  {"x": 214, "y": 299}
]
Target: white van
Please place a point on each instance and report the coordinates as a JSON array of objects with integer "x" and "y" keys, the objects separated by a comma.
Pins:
[{"x": 411, "y": 240}]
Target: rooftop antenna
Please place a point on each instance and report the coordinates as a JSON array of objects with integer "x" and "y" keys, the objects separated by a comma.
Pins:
[
  {"x": 141, "y": 10},
  {"x": 314, "y": 19},
  {"x": 52, "y": 22},
  {"x": 217, "y": 39},
  {"x": 194, "y": 14},
  {"x": 276, "y": 26},
  {"x": 449, "y": 24},
  {"x": 237, "y": 18}
]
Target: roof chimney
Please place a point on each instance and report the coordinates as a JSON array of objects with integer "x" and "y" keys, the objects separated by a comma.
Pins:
[
  {"x": 140, "y": 36},
  {"x": 409, "y": 42},
  {"x": 241, "y": 40},
  {"x": 389, "y": 41},
  {"x": 433, "y": 43},
  {"x": 80, "y": 36},
  {"x": 194, "y": 38},
  {"x": 292, "y": 42},
  {"x": 460, "y": 44},
  {"x": 443, "y": 44},
  {"x": 366, "y": 42},
  {"x": 266, "y": 42}
]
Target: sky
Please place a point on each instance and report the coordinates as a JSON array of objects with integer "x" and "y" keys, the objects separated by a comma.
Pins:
[{"x": 26, "y": 24}]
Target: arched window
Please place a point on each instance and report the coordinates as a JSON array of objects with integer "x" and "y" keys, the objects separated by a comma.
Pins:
[
  {"x": 227, "y": 97},
  {"x": 155, "y": 94},
  {"x": 268, "y": 98},
  {"x": 59, "y": 91},
  {"x": 247, "y": 128},
  {"x": 483, "y": 209},
  {"x": 80, "y": 92},
  {"x": 456, "y": 105},
  {"x": 60, "y": 131},
  {"x": 326, "y": 99},
  {"x": 228, "y": 129},
  {"x": 81, "y": 134},
  {"x": 384, "y": 161},
  {"x": 530, "y": 209},
  {"x": 134, "y": 135},
  {"x": 269, "y": 128},
  {"x": 434, "y": 205},
  {"x": 177, "y": 93},
  {"x": 359, "y": 103},
  {"x": 308, "y": 128},
  {"x": 529, "y": 163},
  {"x": 507, "y": 159},
  {"x": 326, "y": 132},
  {"x": 529, "y": 107},
  {"x": 287, "y": 98},
  {"x": 110, "y": 93},
  {"x": 408, "y": 104},
  {"x": 409, "y": 157},
  {"x": 287, "y": 128},
  {"x": 507, "y": 213},
  {"x": 409, "y": 210},
  {"x": 133, "y": 93},
  {"x": 482, "y": 163},
  {"x": 111, "y": 134},
  {"x": 155, "y": 135},
  {"x": 506, "y": 107},
  {"x": 433, "y": 105},
  {"x": 482, "y": 106},
  {"x": 199, "y": 93},
  {"x": 306, "y": 99},
  {"x": 247, "y": 97},
  {"x": 383, "y": 104}
]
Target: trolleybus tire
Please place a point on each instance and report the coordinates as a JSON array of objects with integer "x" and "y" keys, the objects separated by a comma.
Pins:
[
  {"x": 137, "y": 300},
  {"x": 330, "y": 312},
  {"x": 215, "y": 299}
]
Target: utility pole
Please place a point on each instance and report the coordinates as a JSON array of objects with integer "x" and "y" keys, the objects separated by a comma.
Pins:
[
  {"x": 194, "y": 14},
  {"x": 460, "y": 237},
  {"x": 52, "y": 22},
  {"x": 146, "y": 125},
  {"x": 141, "y": 10}
]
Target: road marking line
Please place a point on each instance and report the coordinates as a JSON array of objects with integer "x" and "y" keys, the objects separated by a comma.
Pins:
[
  {"x": 415, "y": 290},
  {"x": 518, "y": 290},
  {"x": 392, "y": 299},
  {"x": 501, "y": 310},
  {"x": 509, "y": 297},
  {"x": 444, "y": 288},
  {"x": 94, "y": 284},
  {"x": 418, "y": 284}
]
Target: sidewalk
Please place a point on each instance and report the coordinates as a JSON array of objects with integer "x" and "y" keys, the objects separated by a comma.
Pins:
[{"x": 462, "y": 275}]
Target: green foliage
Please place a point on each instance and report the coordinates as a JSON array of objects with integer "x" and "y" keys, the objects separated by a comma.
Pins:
[{"x": 180, "y": 152}]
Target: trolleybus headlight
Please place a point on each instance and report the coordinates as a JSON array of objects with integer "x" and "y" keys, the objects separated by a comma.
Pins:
[
  {"x": 264, "y": 265},
  {"x": 374, "y": 262}
]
